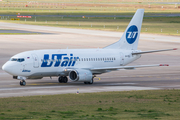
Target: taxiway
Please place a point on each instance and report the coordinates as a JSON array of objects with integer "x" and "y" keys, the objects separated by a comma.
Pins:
[{"x": 66, "y": 38}]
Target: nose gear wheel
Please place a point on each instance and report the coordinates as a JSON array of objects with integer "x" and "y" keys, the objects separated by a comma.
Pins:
[{"x": 22, "y": 83}]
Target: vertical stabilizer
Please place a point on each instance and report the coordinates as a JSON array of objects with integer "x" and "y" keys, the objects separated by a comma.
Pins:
[{"x": 130, "y": 38}]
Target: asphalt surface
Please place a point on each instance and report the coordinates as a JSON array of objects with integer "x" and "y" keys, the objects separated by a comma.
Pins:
[
  {"x": 107, "y": 16},
  {"x": 61, "y": 38},
  {"x": 21, "y": 31}
]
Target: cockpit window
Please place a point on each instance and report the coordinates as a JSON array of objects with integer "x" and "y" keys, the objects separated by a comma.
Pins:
[
  {"x": 17, "y": 59},
  {"x": 13, "y": 59},
  {"x": 20, "y": 59}
]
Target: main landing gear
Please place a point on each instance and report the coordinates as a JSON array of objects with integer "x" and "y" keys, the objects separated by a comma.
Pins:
[
  {"x": 63, "y": 79},
  {"x": 22, "y": 82},
  {"x": 91, "y": 82}
]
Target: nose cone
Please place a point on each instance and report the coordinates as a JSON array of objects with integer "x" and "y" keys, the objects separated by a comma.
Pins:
[
  {"x": 5, "y": 67},
  {"x": 10, "y": 68}
]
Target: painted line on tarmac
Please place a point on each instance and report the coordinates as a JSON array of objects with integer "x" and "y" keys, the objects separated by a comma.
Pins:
[
  {"x": 121, "y": 84},
  {"x": 98, "y": 79},
  {"x": 48, "y": 84},
  {"x": 141, "y": 76},
  {"x": 23, "y": 87}
]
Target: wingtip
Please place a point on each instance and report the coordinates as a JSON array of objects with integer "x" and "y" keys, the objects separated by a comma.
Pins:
[
  {"x": 175, "y": 49},
  {"x": 163, "y": 65}
]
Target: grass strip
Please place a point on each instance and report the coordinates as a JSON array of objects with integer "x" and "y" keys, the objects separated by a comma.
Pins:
[
  {"x": 153, "y": 25},
  {"x": 131, "y": 105}
]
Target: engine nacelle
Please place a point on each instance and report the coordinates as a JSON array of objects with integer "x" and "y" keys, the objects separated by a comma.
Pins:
[{"x": 80, "y": 75}]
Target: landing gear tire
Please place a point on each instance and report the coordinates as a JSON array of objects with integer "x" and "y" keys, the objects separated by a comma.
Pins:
[
  {"x": 63, "y": 79},
  {"x": 91, "y": 82},
  {"x": 85, "y": 82},
  {"x": 22, "y": 82},
  {"x": 60, "y": 79}
]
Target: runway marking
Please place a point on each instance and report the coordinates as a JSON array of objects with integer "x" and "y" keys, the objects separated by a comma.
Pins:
[
  {"x": 98, "y": 78},
  {"x": 121, "y": 84},
  {"x": 158, "y": 77},
  {"x": 33, "y": 84},
  {"x": 52, "y": 83},
  {"x": 32, "y": 88},
  {"x": 139, "y": 76},
  {"x": 129, "y": 83}
]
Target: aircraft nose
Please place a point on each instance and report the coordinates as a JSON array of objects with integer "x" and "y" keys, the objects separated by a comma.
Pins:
[
  {"x": 9, "y": 67},
  {"x": 5, "y": 67}
]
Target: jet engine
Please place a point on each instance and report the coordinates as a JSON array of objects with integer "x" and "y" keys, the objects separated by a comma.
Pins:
[{"x": 81, "y": 75}]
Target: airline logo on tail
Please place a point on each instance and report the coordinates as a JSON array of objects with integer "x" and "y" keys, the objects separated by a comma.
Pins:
[{"x": 131, "y": 34}]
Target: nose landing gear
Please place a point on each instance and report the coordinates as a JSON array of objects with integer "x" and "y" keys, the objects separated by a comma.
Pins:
[
  {"x": 22, "y": 82},
  {"x": 63, "y": 79}
]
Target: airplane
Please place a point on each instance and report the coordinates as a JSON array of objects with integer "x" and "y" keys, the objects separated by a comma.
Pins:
[{"x": 81, "y": 65}]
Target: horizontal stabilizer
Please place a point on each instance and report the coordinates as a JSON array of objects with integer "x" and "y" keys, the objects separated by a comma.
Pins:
[
  {"x": 128, "y": 67},
  {"x": 135, "y": 53}
]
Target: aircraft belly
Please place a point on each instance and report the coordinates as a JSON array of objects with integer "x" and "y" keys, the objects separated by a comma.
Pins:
[{"x": 43, "y": 74}]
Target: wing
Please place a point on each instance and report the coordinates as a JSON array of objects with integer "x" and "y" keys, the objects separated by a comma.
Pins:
[
  {"x": 109, "y": 69},
  {"x": 126, "y": 67}
]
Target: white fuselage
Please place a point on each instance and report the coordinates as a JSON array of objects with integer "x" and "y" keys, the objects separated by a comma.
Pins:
[{"x": 43, "y": 63}]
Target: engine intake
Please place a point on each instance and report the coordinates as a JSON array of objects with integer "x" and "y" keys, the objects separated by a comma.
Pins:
[{"x": 80, "y": 75}]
